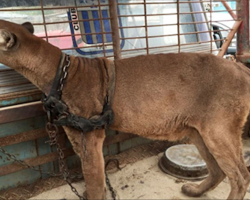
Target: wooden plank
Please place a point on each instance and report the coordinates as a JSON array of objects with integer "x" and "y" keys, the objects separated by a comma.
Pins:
[
  {"x": 8, "y": 169},
  {"x": 22, "y": 111}
]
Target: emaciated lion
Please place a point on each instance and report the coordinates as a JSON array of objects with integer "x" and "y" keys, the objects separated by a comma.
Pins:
[{"x": 164, "y": 96}]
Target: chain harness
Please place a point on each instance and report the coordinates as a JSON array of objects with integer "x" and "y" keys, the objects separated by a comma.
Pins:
[
  {"x": 58, "y": 114},
  {"x": 57, "y": 110}
]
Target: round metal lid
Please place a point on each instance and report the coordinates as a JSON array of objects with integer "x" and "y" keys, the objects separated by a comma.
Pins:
[{"x": 183, "y": 161}]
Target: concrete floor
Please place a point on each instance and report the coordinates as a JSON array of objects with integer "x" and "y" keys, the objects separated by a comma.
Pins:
[{"x": 143, "y": 180}]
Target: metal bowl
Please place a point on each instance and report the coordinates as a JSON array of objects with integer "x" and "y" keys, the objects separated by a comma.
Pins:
[{"x": 183, "y": 161}]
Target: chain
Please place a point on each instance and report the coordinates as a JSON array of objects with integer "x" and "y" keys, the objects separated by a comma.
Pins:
[
  {"x": 13, "y": 157},
  {"x": 53, "y": 133},
  {"x": 111, "y": 189},
  {"x": 65, "y": 73}
]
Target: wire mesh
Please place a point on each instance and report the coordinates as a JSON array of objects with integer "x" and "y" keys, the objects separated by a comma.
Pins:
[
  {"x": 145, "y": 26},
  {"x": 83, "y": 27}
]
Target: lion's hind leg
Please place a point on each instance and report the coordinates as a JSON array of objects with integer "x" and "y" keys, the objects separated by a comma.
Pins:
[
  {"x": 223, "y": 142},
  {"x": 216, "y": 175}
]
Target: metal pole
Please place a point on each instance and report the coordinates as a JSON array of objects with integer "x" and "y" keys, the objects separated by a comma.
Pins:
[
  {"x": 146, "y": 25},
  {"x": 115, "y": 29},
  {"x": 229, "y": 9},
  {"x": 229, "y": 38},
  {"x": 243, "y": 31}
]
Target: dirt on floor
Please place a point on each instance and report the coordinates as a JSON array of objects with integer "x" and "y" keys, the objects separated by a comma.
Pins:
[{"x": 143, "y": 179}]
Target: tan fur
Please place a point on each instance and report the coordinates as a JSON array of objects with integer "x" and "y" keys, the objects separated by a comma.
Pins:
[{"x": 166, "y": 97}]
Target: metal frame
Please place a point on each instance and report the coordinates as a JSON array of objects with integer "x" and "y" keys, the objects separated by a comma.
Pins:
[{"x": 243, "y": 32}]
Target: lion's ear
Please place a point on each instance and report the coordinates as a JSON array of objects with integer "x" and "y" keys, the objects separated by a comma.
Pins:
[
  {"x": 29, "y": 27},
  {"x": 7, "y": 40}
]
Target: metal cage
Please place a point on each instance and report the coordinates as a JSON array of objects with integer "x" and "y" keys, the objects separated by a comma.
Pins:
[{"x": 114, "y": 29}]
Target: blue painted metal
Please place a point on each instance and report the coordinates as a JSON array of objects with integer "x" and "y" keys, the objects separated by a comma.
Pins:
[
  {"x": 44, "y": 148},
  {"x": 19, "y": 100},
  {"x": 232, "y": 5},
  {"x": 32, "y": 149},
  {"x": 22, "y": 126},
  {"x": 22, "y": 151},
  {"x": 87, "y": 28}
]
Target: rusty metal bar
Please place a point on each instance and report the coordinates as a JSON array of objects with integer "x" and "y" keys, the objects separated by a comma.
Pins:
[
  {"x": 184, "y": 2},
  {"x": 43, "y": 15},
  {"x": 243, "y": 31},
  {"x": 230, "y": 11},
  {"x": 36, "y": 8},
  {"x": 178, "y": 26},
  {"x": 40, "y": 160},
  {"x": 138, "y": 15},
  {"x": 102, "y": 27},
  {"x": 175, "y": 45},
  {"x": 85, "y": 20},
  {"x": 155, "y": 36},
  {"x": 81, "y": 34},
  {"x": 210, "y": 26},
  {"x": 115, "y": 29},
  {"x": 50, "y": 157},
  {"x": 244, "y": 58},
  {"x": 22, "y": 137},
  {"x": 191, "y": 43},
  {"x": 19, "y": 112},
  {"x": 85, "y": 6},
  {"x": 146, "y": 25},
  {"x": 229, "y": 38},
  {"x": 185, "y": 23},
  {"x": 164, "y": 46},
  {"x": 181, "y": 13}
]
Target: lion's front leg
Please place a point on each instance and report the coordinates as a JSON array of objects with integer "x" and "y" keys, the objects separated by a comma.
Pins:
[
  {"x": 89, "y": 147},
  {"x": 93, "y": 164}
]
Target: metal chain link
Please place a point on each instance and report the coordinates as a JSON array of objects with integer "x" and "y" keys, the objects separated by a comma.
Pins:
[
  {"x": 13, "y": 157},
  {"x": 111, "y": 189},
  {"x": 65, "y": 73},
  {"x": 52, "y": 141},
  {"x": 53, "y": 133}
]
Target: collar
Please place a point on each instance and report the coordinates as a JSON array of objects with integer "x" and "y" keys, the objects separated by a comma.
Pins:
[{"x": 60, "y": 76}]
